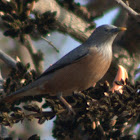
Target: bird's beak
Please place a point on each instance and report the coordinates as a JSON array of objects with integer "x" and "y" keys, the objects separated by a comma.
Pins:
[
  {"x": 122, "y": 29},
  {"x": 118, "y": 29}
]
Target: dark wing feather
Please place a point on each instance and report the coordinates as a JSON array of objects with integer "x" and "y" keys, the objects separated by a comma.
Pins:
[{"x": 69, "y": 58}]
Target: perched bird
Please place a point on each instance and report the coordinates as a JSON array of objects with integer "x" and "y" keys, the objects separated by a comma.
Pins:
[{"x": 77, "y": 70}]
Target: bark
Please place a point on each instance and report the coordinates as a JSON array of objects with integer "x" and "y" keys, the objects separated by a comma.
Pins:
[{"x": 67, "y": 21}]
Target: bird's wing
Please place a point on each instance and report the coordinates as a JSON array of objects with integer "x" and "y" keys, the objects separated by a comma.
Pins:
[
  {"x": 73, "y": 56},
  {"x": 69, "y": 58}
]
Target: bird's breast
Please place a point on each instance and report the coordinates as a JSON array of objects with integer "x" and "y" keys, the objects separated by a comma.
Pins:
[{"x": 79, "y": 75}]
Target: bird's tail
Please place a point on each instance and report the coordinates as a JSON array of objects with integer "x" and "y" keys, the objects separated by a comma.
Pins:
[
  {"x": 30, "y": 90},
  {"x": 19, "y": 94}
]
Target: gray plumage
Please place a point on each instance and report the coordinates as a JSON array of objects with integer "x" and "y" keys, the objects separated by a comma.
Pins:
[
  {"x": 83, "y": 49},
  {"x": 77, "y": 70}
]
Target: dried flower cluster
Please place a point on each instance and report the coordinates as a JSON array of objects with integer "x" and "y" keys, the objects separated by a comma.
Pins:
[
  {"x": 18, "y": 78},
  {"x": 100, "y": 114},
  {"x": 103, "y": 114},
  {"x": 16, "y": 17}
]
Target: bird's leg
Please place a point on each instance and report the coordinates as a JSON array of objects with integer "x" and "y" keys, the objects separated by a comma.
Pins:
[
  {"x": 79, "y": 93},
  {"x": 67, "y": 105}
]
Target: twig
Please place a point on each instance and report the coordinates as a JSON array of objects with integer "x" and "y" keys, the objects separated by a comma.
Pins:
[
  {"x": 129, "y": 10},
  {"x": 47, "y": 114},
  {"x": 33, "y": 52},
  {"x": 50, "y": 43},
  {"x": 10, "y": 62},
  {"x": 7, "y": 59},
  {"x": 38, "y": 115}
]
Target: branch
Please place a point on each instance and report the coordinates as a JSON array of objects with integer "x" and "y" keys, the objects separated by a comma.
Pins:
[
  {"x": 67, "y": 21},
  {"x": 50, "y": 43},
  {"x": 133, "y": 13},
  {"x": 7, "y": 59},
  {"x": 33, "y": 52},
  {"x": 10, "y": 62}
]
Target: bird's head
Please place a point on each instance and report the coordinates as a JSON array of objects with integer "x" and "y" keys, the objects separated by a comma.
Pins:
[{"x": 105, "y": 34}]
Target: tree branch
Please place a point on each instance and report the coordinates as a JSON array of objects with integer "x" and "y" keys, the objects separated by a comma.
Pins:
[
  {"x": 129, "y": 10},
  {"x": 38, "y": 63},
  {"x": 65, "y": 20},
  {"x": 7, "y": 59}
]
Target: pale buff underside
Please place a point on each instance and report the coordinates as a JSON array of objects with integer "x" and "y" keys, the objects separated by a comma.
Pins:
[{"x": 78, "y": 76}]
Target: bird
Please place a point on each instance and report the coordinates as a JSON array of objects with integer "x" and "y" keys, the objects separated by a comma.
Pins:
[{"x": 78, "y": 70}]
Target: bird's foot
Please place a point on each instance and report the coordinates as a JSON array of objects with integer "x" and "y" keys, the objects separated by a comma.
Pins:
[
  {"x": 67, "y": 105},
  {"x": 79, "y": 93}
]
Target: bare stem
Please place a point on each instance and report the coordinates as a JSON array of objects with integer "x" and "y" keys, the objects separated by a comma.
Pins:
[
  {"x": 7, "y": 59},
  {"x": 37, "y": 62},
  {"x": 50, "y": 43},
  {"x": 129, "y": 10}
]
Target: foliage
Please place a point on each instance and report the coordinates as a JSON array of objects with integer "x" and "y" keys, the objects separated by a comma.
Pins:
[{"x": 100, "y": 114}]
